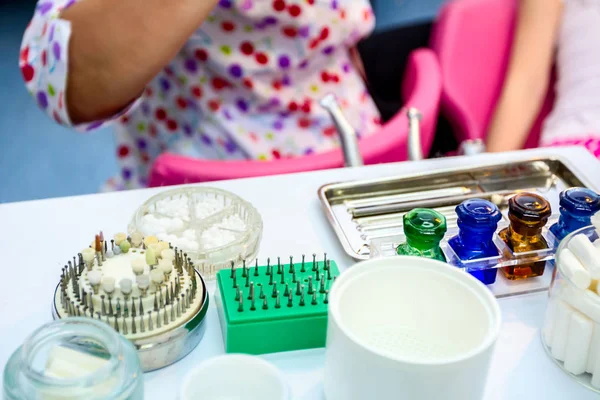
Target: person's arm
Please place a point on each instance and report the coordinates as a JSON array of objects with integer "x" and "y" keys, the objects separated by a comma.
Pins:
[
  {"x": 118, "y": 46},
  {"x": 528, "y": 74},
  {"x": 85, "y": 61}
]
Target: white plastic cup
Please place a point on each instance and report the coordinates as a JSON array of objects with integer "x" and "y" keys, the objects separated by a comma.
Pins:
[
  {"x": 409, "y": 328},
  {"x": 235, "y": 377}
]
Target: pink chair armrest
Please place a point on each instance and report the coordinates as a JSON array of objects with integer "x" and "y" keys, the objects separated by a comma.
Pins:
[
  {"x": 472, "y": 39},
  {"x": 421, "y": 89}
]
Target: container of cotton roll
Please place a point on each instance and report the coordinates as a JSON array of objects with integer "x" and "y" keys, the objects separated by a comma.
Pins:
[
  {"x": 571, "y": 331},
  {"x": 214, "y": 227}
]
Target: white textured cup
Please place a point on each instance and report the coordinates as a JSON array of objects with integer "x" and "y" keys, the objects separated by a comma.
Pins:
[
  {"x": 234, "y": 377},
  {"x": 409, "y": 328}
]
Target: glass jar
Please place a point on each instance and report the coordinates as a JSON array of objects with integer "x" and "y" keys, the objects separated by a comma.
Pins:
[
  {"x": 577, "y": 205},
  {"x": 424, "y": 229},
  {"x": 74, "y": 358},
  {"x": 528, "y": 214},
  {"x": 477, "y": 223},
  {"x": 571, "y": 331}
]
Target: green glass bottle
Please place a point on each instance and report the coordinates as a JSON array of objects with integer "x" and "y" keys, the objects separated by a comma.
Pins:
[{"x": 424, "y": 229}]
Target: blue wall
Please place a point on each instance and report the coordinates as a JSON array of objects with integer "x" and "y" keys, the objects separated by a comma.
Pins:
[{"x": 390, "y": 13}]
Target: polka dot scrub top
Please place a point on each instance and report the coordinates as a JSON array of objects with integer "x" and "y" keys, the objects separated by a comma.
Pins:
[{"x": 245, "y": 86}]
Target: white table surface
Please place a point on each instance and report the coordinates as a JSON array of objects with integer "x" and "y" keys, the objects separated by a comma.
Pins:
[{"x": 37, "y": 237}]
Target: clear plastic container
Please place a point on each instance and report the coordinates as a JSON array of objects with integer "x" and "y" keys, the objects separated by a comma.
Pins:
[
  {"x": 73, "y": 359},
  {"x": 571, "y": 331},
  {"x": 214, "y": 227}
]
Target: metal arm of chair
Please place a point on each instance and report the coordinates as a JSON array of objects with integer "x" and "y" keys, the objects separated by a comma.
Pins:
[
  {"x": 352, "y": 156},
  {"x": 415, "y": 152}
]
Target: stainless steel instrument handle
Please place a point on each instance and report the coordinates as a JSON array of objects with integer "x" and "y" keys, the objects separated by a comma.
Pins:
[
  {"x": 349, "y": 141},
  {"x": 471, "y": 147},
  {"x": 415, "y": 153}
]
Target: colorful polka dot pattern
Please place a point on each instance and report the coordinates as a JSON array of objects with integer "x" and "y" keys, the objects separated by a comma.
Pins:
[{"x": 245, "y": 86}]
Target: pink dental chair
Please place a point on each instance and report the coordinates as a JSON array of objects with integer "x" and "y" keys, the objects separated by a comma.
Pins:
[
  {"x": 421, "y": 90},
  {"x": 472, "y": 40}
]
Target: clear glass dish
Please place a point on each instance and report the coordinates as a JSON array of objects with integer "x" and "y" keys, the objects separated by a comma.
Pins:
[
  {"x": 74, "y": 359},
  {"x": 213, "y": 226},
  {"x": 571, "y": 331}
]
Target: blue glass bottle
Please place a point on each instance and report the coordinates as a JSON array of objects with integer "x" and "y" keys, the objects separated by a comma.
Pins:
[
  {"x": 577, "y": 205},
  {"x": 477, "y": 223}
]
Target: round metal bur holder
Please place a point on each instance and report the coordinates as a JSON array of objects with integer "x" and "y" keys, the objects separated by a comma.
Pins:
[
  {"x": 158, "y": 303},
  {"x": 163, "y": 349}
]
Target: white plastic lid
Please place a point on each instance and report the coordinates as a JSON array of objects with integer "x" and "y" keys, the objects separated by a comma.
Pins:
[{"x": 235, "y": 376}]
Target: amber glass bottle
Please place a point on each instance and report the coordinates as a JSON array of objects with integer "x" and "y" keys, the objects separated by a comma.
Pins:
[{"x": 528, "y": 213}]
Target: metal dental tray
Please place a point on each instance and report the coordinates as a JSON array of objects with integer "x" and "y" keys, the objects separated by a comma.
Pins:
[{"x": 364, "y": 212}]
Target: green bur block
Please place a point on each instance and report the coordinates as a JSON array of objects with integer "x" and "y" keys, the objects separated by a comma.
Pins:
[{"x": 274, "y": 329}]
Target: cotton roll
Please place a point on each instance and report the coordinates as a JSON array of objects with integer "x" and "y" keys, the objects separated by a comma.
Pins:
[
  {"x": 584, "y": 301},
  {"x": 549, "y": 322},
  {"x": 574, "y": 270},
  {"x": 586, "y": 253},
  {"x": 579, "y": 339},
  {"x": 596, "y": 374},
  {"x": 561, "y": 330},
  {"x": 594, "y": 349}
]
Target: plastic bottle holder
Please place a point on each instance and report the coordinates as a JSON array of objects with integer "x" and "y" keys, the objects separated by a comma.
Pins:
[
  {"x": 212, "y": 226},
  {"x": 506, "y": 258}
]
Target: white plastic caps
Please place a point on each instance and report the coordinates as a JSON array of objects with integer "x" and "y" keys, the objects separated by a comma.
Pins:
[
  {"x": 575, "y": 270},
  {"x": 157, "y": 276},
  {"x": 166, "y": 266},
  {"x": 150, "y": 256},
  {"x": 136, "y": 239},
  {"x": 119, "y": 237},
  {"x": 162, "y": 245},
  {"x": 138, "y": 265},
  {"x": 125, "y": 285},
  {"x": 586, "y": 253},
  {"x": 108, "y": 284},
  {"x": 168, "y": 254},
  {"x": 88, "y": 254},
  {"x": 94, "y": 277},
  {"x": 143, "y": 281}
]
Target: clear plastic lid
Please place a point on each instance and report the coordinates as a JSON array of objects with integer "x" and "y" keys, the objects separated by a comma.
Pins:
[{"x": 213, "y": 226}]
